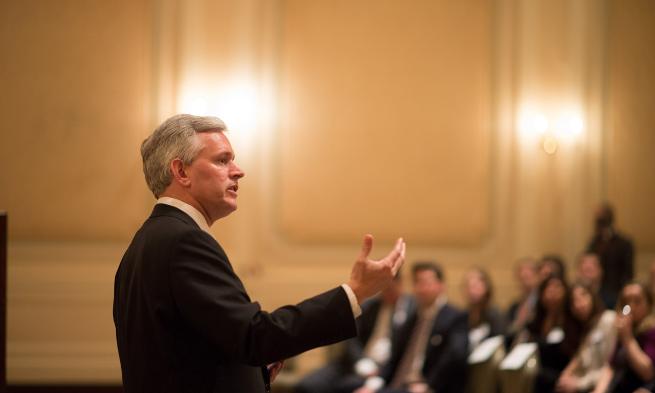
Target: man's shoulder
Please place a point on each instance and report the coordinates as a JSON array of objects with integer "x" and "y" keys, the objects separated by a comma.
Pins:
[
  {"x": 170, "y": 216},
  {"x": 168, "y": 226},
  {"x": 170, "y": 222},
  {"x": 450, "y": 315}
]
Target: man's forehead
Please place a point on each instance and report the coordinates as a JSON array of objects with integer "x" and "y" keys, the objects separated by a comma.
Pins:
[{"x": 215, "y": 140}]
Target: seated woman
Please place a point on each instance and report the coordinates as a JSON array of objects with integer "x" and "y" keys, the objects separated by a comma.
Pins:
[
  {"x": 554, "y": 331},
  {"x": 484, "y": 319},
  {"x": 598, "y": 340},
  {"x": 631, "y": 366}
]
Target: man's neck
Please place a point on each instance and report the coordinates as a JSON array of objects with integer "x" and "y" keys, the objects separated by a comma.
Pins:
[
  {"x": 189, "y": 201},
  {"x": 187, "y": 208},
  {"x": 432, "y": 307}
]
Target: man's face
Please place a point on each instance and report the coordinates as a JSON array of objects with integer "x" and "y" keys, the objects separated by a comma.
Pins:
[
  {"x": 590, "y": 271},
  {"x": 427, "y": 287},
  {"x": 214, "y": 175},
  {"x": 528, "y": 277}
]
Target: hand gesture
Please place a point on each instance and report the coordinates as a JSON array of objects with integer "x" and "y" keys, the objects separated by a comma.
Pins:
[
  {"x": 624, "y": 327},
  {"x": 369, "y": 276}
]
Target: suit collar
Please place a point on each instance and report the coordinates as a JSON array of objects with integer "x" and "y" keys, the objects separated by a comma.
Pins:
[
  {"x": 161, "y": 209},
  {"x": 189, "y": 210}
]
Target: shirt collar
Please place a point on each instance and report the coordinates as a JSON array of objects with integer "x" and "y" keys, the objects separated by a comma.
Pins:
[
  {"x": 434, "y": 308},
  {"x": 188, "y": 209}
]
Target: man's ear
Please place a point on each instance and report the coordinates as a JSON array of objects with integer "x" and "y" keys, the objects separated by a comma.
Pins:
[{"x": 179, "y": 172}]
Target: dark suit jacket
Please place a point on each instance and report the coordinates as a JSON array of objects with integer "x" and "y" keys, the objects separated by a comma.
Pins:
[
  {"x": 184, "y": 322},
  {"x": 446, "y": 353},
  {"x": 617, "y": 260}
]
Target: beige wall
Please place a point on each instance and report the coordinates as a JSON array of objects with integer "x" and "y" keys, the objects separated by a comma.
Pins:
[{"x": 395, "y": 118}]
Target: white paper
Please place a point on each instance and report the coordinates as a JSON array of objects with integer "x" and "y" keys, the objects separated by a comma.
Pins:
[
  {"x": 485, "y": 350},
  {"x": 519, "y": 356}
]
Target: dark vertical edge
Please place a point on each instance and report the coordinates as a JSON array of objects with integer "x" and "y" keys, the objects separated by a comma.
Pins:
[{"x": 3, "y": 301}]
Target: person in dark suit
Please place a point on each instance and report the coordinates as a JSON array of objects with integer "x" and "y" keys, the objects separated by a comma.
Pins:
[
  {"x": 430, "y": 353},
  {"x": 363, "y": 356},
  {"x": 615, "y": 251},
  {"x": 521, "y": 311},
  {"x": 184, "y": 321}
]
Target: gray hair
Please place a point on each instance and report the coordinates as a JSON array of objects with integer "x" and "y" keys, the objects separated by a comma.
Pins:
[{"x": 174, "y": 138}]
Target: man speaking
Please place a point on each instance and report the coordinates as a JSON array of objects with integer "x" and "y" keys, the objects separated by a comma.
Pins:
[{"x": 184, "y": 321}]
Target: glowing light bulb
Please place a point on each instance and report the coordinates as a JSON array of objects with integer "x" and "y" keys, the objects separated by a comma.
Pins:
[
  {"x": 568, "y": 126},
  {"x": 533, "y": 124}
]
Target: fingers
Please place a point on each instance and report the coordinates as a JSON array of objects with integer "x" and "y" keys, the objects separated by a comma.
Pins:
[
  {"x": 367, "y": 246},
  {"x": 398, "y": 262},
  {"x": 394, "y": 259},
  {"x": 397, "y": 250}
]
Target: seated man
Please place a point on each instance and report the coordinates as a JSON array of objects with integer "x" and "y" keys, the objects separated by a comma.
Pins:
[
  {"x": 363, "y": 355},
  {"x": 590, "y": 272},
  {"x": 430, "y": 352}
]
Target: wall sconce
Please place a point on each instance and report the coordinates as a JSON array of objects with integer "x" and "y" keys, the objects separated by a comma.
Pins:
[
  {"x": 236, "y": 101},
  {"x": 551, "y": 131}
]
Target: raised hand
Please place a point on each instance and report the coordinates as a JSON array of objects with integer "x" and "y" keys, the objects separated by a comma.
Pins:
[{"x": 369, "y": 276}]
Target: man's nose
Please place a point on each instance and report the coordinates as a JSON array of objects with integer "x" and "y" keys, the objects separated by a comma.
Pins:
[{"x": 236, "y": 172}]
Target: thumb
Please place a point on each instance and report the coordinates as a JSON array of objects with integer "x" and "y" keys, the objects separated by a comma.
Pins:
[{"x": 367, "y": 245}]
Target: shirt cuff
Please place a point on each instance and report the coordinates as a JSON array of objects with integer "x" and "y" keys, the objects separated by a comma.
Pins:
[{"x": 357, "y": 310}]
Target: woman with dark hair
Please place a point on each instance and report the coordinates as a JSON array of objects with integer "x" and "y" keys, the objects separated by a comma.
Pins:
[
  {"x": 632, "y": 365},
  {"x": 598, "y": 339},
  {"x": 554, "y": 330},
  {"x": 484, "y": 319},
  {"x": 552, "y": 265}
]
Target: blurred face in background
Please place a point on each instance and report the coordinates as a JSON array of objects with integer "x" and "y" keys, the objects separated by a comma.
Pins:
[
  {"x": 475, "y": 288},
  {"x": 582, "y": 303},
  {"x": 589, "y": 269},
  {"x": 548, "y": 268},
  {"x": 427, "y": 287},
  {"x": 553, "y": 295},
  {"x": 528, "y": 277},
  {"x": 633, "y": 295}
]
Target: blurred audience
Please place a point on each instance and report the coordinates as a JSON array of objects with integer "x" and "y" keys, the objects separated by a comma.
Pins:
[
  {"x": 363, "y": 355},
  {"x": 591, "y": 272},
  {"x": 552, "y": 265},
  {"x": 598, "y": 336},
  {"x": 554, "y": 330},
  {"x": 631, "y": 366},
  {"x": 432, "y": 347},
  {"x": 484, "y": 319},
  {"x": 521, "y": 311},
  {"x": 615, "y": 252},
  {"x": 421, "y": 343}
]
